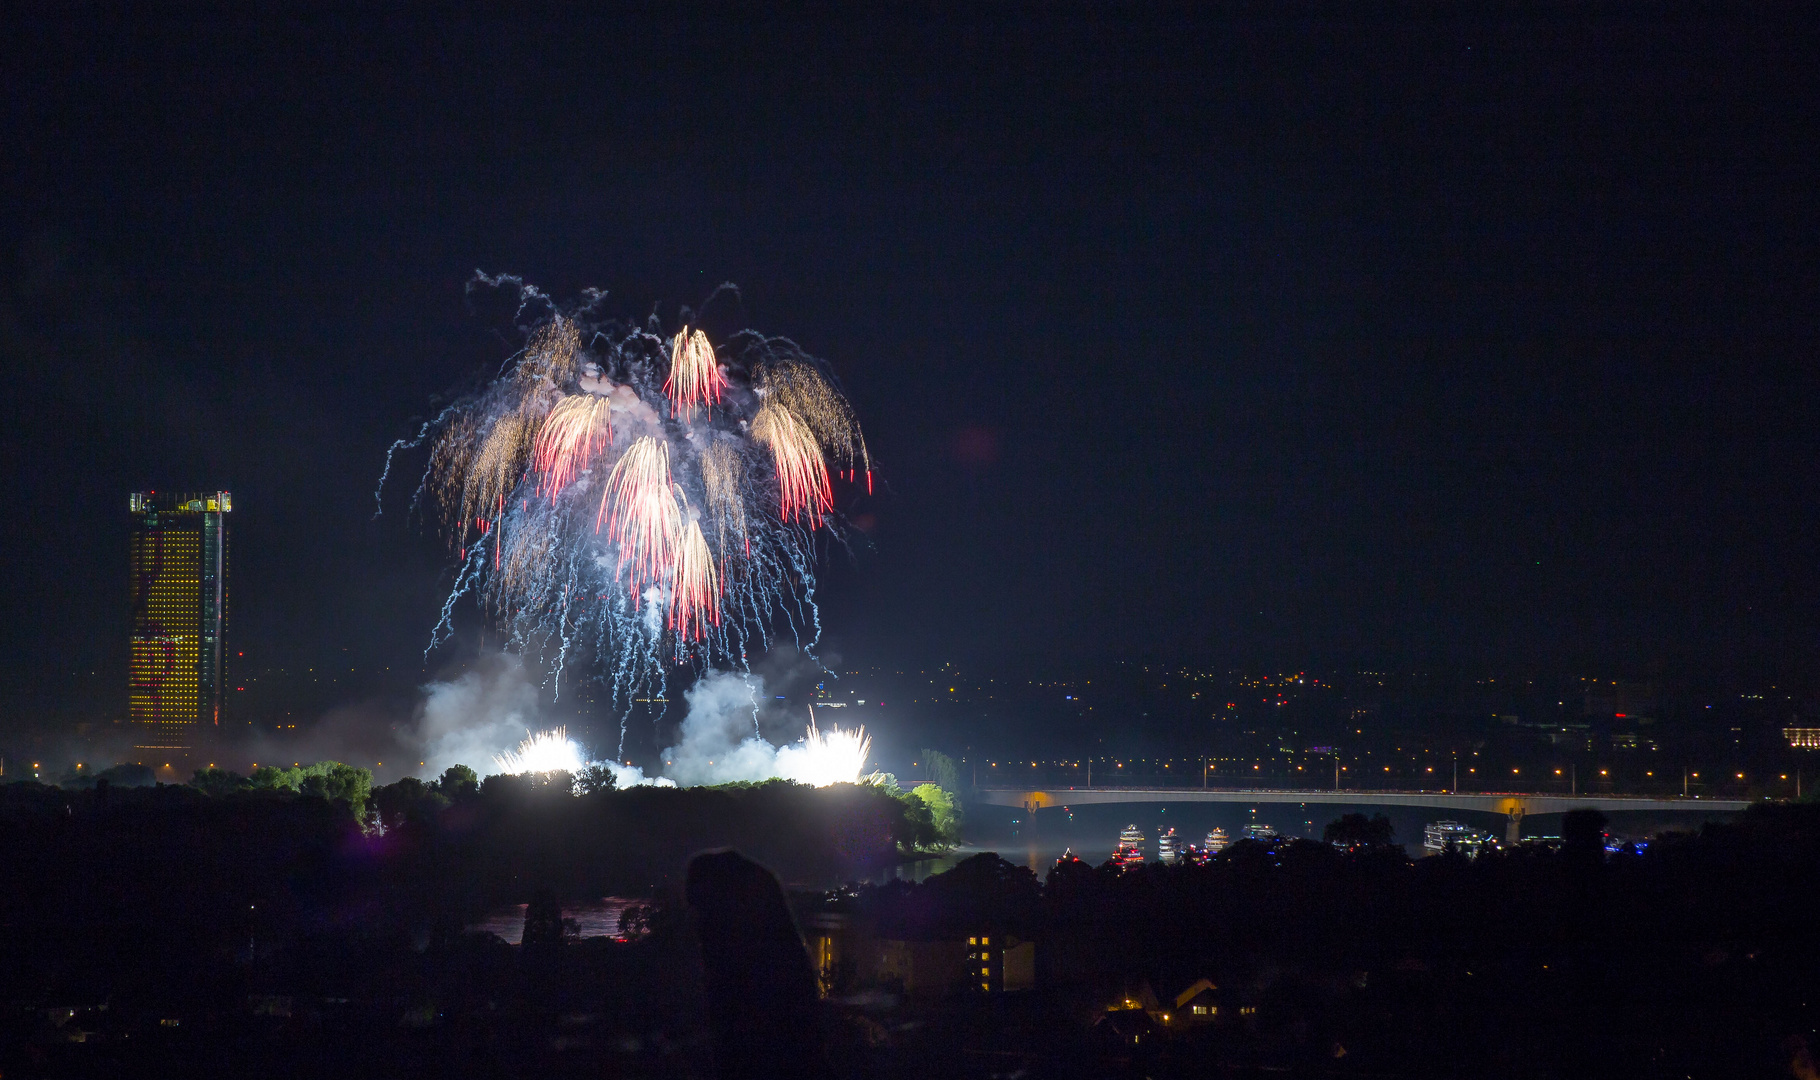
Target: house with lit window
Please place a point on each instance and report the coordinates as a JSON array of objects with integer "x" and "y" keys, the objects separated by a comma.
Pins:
[
  {"x": 1125, "y": 1028},
  {"x": 1203, "y": 1002},
  {"x": 1199, "y": 1004},
  {"x": 1000, "y": 963}
]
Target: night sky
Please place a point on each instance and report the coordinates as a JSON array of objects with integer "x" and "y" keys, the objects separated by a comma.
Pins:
[{"x": 1258, "y": 339}]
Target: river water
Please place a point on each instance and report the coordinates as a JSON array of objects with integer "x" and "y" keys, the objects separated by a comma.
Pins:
[
  {"x": 596, "y": 918},
  {"x": 1092, "y": 831}
]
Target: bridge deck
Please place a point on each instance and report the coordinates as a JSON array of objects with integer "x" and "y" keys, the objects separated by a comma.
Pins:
[{"x": 1491, "y": 802}]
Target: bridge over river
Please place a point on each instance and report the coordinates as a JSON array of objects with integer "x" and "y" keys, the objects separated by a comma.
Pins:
[{"x": 1513, "y": 805}]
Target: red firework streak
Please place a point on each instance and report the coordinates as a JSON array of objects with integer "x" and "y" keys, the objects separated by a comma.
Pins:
[
  {"x": 580, "y": 427},
  {"x": 694, "y": 593}
]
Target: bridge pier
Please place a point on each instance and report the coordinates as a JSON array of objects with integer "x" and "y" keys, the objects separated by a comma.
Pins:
[{"x": 1513, "y": 826}]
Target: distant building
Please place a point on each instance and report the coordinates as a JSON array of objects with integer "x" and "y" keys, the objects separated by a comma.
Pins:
[
  {"x": 1802, "y": 738},
  {"x": 179, "y": 589},
  {"x": 918, "y": 968},
  {"x": 1262, "y": 833},
  {"x": 846, "y": 954}
]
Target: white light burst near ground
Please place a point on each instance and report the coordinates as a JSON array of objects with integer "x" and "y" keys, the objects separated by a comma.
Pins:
[
  {"x": 545, "y": 751},
  {"x": 826, "y": 757}
]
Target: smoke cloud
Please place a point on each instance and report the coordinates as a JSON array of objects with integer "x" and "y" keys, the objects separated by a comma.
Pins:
[
  {"x": 719, "y": 741},
  {"x": 487, "y": 711},
  {"x": 491, "y": 707}
]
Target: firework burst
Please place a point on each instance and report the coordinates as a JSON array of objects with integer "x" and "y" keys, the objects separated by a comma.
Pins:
[
  {"x": 695, "y": 380},
  {"x": 640, "y": 512},
  {"x": 694, "y": 595},
  {"x": 579, "y": 428},
  {"x": 549, "y": 357},
  {"x": 826, "y": 757},
  {"x": 630, "y": 500},
  {"x": 802, "y": 474},
  {"x": 799, "y": 387},
  {"x": 543, "y": 752}
]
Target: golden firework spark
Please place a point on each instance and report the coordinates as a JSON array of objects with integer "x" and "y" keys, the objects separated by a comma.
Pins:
[
  {"x": 803, "y": 390},
  {"x": 473, "y": 473},
  {"x": 527, "y": 552},
  {"x": 723, "y": 475},
  {"x": 640, "y": 513},
  {"x": 450, "y": 458},
  {"x": 694, "y": 592},
  {"x": 802, "y": 475},
  {"x": 550, "y": 354},
  {"x": 497, "y": 466},
  {"x": 579, "y": 427}
]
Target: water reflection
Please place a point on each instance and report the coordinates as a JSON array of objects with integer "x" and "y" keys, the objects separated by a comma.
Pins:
[
  {"x": 597, "y": 918},
  {"x": 1037, "y": 857}
]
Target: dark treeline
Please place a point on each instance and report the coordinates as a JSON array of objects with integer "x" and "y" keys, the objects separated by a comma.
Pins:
[
  {"x": 280, "y": 935},
  {"x": 108, "y": 881},
  {"x": 1696, "y": 957}
]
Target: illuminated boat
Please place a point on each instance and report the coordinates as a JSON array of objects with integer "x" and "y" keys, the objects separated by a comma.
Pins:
[
  {"x": 1438, "y": 835},
  {"x": 1130, "y": 851},
  {"x": 1168, "y": 848},
  {"x": 1216, "y": 841}
]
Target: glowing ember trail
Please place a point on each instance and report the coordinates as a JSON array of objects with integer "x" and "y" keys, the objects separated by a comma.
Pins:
[
  {"x": 694, "y": 596},
  {"x": 695, "y": 380},
  {"x": 640, "y": 512},
  {"x": 577, "y": 429},
  {"x": 802, "y": 475},
  {"x": 801, "y": 388}
]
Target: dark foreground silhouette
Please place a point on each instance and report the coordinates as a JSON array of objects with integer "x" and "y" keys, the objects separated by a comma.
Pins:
[
  {"x": 164, "y": 931},
  {"x": 761, "y": 991}
]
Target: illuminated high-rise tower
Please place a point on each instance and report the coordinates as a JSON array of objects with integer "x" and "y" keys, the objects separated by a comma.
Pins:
[{"x": 179, "y": 621}]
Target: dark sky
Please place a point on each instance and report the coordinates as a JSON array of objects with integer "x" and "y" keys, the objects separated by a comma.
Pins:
[{"x": 1275, "y": 338}]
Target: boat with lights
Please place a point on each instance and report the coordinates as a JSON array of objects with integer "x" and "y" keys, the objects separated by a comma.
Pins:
[{"x": 1130, "y": 851}]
